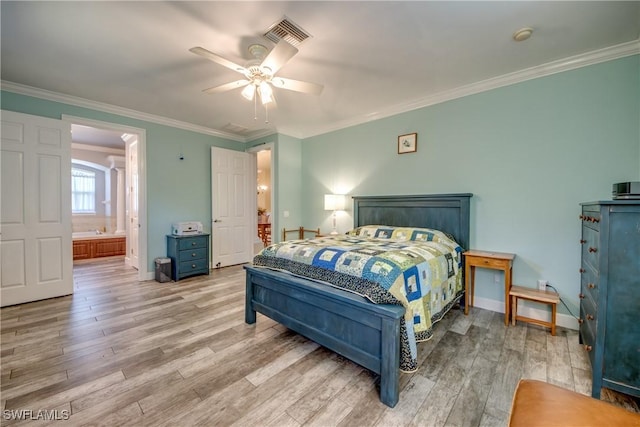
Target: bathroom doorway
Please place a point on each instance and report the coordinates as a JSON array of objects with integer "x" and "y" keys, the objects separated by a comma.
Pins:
[{"x": 118, "y": 216}]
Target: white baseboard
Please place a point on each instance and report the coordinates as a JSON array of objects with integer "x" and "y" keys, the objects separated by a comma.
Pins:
[{"x": 564, "y": 320}]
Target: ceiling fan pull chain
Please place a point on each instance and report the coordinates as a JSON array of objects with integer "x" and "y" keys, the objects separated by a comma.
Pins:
[
  {"x": 266, "y": 113},
  {"x": 255, "y": 107}
]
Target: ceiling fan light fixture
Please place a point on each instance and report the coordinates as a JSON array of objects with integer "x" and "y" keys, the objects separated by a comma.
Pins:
[
  {"x": 266, "y": 93},
  {"x": 249, "y": 92}
]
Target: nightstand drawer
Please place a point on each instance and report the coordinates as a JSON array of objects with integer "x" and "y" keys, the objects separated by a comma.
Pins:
[
  {"x": 193, "y": 242},
  {"x": 488, "y": 262},
  {"x": 192, "y": 266},
  {"x": 193, "y": 254}
]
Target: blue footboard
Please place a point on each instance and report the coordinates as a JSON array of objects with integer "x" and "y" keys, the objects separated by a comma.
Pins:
[{"x": 366, "y": 333}]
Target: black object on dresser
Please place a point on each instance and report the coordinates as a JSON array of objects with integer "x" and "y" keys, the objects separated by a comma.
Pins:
[
  {"x": 610, "y": 294},
  {"x": 189, "y": 255}
]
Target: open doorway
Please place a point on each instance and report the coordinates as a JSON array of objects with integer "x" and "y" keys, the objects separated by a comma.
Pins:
[
  {"x": 113, "y": 224},
  {"x": 266, "y": 217},
  {"x": 264, "y": 188}
]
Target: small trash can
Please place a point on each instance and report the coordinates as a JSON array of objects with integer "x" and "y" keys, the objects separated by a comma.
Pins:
[{"x": 163, "y": 270}]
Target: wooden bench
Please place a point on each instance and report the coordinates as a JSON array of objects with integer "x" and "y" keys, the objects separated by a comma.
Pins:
[{"x": 530, "y": 294}]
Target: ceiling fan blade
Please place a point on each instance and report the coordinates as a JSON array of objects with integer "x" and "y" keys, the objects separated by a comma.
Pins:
[
  {"x": 297, "y": 85},
  {"x": 227, "y": 86},
  {"x": 278, "y": 56},
  {"x": 217, "y": 59}
]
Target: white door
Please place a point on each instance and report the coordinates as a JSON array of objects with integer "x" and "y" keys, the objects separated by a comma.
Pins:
[
  {"x": 233, "y": 206},
  {"x": 35, "y": 214},
  {"x": 133, "y": 209}
]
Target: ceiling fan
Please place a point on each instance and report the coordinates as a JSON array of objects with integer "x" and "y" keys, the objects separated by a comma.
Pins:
[{"x": 259, "y": 73}]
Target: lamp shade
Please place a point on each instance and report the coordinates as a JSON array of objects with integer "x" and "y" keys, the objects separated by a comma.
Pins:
[
  {"x": 249, "y": 92},
  {"x": 333, "y": 202}
]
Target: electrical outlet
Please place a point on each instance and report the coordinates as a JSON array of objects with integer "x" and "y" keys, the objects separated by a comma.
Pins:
[{"x": 542, "y": 285}]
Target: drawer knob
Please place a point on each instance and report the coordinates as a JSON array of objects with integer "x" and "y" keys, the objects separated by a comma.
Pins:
[
  {"x": 582, "y": 270},
  {"x": 193, "y": 243},
  {"x": 592, "y": 249},
  {"x": 589, "y": 316},
  {"x": 581, "y": 217},
  {"x": 582, "y": 241},
  {"x": 193, "y": 255},
  {"x": 591, "y": 285},
  {"x": 581, "y": 296},
  {"x": 587, "y": 347},
  {"x": 580, "y": 321},
  {"x": 193, "y": 266},
  {"x": 596, "y": 219}
]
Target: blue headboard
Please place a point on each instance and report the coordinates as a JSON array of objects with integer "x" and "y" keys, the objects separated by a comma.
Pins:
[{"x": 444, "y": 212}]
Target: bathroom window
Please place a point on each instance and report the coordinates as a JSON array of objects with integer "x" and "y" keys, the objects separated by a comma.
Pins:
[{"x": 83, "y": 191}]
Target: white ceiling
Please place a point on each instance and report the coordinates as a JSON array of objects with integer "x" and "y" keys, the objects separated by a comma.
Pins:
[
  {"x": 373, "y": 58},
  {"x": 87, "y": 135}
]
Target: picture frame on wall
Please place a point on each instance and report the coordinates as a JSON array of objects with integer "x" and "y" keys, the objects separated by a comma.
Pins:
[{"x": 408, "y": 143}]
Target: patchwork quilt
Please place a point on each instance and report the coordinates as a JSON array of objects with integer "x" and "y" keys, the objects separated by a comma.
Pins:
[{"x": 418, "y": 268}]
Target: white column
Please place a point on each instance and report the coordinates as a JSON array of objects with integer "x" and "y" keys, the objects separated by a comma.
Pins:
[
  {"x": 120, "y": 220},
  {"x": 118, "y": 163}
]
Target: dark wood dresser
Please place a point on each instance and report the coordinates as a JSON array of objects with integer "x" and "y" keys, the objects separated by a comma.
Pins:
[{"x": 610, "y": 293}]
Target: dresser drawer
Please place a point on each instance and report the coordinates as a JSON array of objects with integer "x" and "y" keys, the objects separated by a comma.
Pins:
[
  {"x": 588, "y": 314},
  {"x": 588, "y": 340},
  {"x": 193, "y": 242},
  {"x": 589, "y": 284},
  {"x": 590, "y": 247},
  {"x": 193, "y": 254},
  {"x": 591, "y": 219}
]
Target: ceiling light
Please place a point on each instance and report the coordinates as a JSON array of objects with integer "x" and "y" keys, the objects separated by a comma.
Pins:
[
  {"x": 249, "y": 92},
  {"x": 522, "y": 34},
  {"x": 265, "y": 93}
]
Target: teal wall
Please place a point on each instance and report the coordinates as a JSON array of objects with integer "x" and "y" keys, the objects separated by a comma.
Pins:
[
  {"x": 177, "y": 190},
  {"x": 529, "y": 152},
  {"x": 287, "y": 176}
]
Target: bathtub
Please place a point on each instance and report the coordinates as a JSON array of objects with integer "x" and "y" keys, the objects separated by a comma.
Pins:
[{"x": 89, "y": 244}]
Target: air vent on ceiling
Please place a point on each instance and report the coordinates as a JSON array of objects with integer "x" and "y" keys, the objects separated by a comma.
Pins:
[
  {"x": 288, "y": 31},
  {"x": 232, "y": 127}
]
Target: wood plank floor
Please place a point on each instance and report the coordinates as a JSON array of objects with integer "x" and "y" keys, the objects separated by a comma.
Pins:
[{"x": 123, "y": 352}]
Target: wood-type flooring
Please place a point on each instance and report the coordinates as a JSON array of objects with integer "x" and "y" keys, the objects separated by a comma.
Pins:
[{"x": 123, "y": 352}]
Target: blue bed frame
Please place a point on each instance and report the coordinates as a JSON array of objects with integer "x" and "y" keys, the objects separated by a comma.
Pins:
[{"x": 366, "y": 333}]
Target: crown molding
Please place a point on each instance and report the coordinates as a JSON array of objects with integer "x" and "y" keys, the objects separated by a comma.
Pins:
[
  {"x": 97, "y": 148},
  {"x": 571, "y": 63},
  {"x": 113, "y": 109}
]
